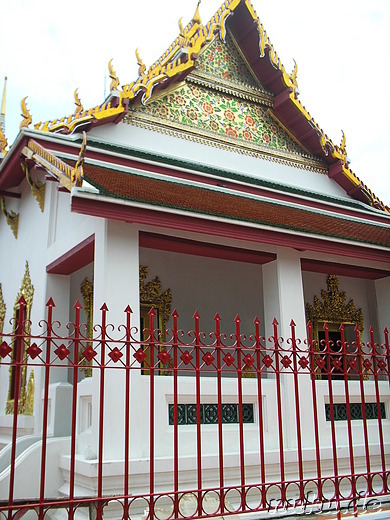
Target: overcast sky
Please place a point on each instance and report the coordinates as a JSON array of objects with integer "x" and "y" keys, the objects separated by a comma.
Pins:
[{"x": 341, "y": 48}]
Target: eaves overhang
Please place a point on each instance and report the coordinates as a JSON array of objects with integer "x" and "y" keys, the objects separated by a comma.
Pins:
[{"x": 88, "y": 202}]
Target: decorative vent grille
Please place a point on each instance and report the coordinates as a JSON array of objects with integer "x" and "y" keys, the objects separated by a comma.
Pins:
[
  {"x": 186, "y": 413},
  {"x": 356, "y": 411}
]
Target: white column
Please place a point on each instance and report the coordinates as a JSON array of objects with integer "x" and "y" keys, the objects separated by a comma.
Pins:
[
  {"x": 284, "y": 300},
  {"x": 116, "y": 283}
]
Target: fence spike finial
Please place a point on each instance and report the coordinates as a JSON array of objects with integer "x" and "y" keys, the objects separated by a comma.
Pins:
[{"x": 77, "y": 305}]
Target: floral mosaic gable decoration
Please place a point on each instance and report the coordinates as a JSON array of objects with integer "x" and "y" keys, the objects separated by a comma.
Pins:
[
  {"x": 223, "y": 60},
  {"x": 221, "y": 115},
  {"x": 221, "y": 103}
]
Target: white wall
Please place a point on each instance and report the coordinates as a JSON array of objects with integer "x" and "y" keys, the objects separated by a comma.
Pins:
[
  {"x": 208, "y": 285},
  {"x": 156, "y": 142}
]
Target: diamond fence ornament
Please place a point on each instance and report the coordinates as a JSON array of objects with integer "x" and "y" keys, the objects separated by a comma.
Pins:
[
  {"x": 89, "y": 353},
  {"x": 33, "y": 351},
  {"x": 115, "y": 354},
  {"x": 208, "y": 358},
  {"x": 62, "y": 352},
  {"x": 5, "y": 349},
  {"x": 186, "y": 357},
  {"x": 164, "y": 357},
  {"x": 140, "y": 355}
]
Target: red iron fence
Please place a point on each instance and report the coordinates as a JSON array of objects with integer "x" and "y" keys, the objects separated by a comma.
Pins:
[{"x": 234, "y": 423}]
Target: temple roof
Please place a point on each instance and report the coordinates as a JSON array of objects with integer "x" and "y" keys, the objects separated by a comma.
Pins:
[
  {"x": 238, "y": 206},
  {"x": 278, "y": 88}
]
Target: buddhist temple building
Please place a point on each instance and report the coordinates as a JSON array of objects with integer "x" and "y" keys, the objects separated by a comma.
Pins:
[{"x": 202, "y": 196}]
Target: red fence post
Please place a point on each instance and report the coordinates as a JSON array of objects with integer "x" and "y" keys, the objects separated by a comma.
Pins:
[
  {"x": 359, "y": 350},
  {"x": 349, "y": 425},
  {"x": 77, "y": 306},
  {"x": 17, "y": 360},
  {"x": 280, "y": 413},
  {"x": 313, "y": 374},
  {"x": 297, "y": 413},
  {"x": 128, "y": 312},
  {"x": 374, "y": 354},
  {"x": 175, "y": 316},
  {"x": 152, "y": 314},
  {"x": 240, "y": 415},
  {"x": 260, "y": 411},
  {"x": 49, "y": 305},
  {"x": 102, "y": 367},
  {"x": 198, "y": 416},
  {"x": 217, "y": 320}
]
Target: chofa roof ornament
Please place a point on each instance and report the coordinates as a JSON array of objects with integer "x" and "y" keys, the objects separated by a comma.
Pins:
[
  {"x": 114, "y": 78},
  {"x": 26, "y": 122}
]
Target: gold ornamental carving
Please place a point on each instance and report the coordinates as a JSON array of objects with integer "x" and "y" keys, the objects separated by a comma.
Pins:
[
  {"x": 3, "y": 142},
  {"x": 86, "y": 289},
  {"x": 11, "y": 217},
  {"x": 140, "y": 63},
  {"x": 79, "y": 106},
  {"x": 334, "y": 307},
  {"x": 26, "y": 122},
  {"x": 151, "y": 294},
  {"x": 27, "y": 291},
  {"x": 38, "y": 188},
  {"x": 114, "y": 78},
  {"x": 3, "y": 309},
  {"x": 29, "y": 407}
]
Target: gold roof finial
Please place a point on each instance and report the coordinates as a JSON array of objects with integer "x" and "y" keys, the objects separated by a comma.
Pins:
[
  {"x": 79, "y": 106},
  {"x": 294, "y": 74},
  {"x": 196, "y": 18},
  {"x": 140, "y": 64},
  {"x": 343, "y": 141},
  {"x": 115, "y": 81},
  {"x": 26, "y": 115},
  {"x": 183, "y": 37}
]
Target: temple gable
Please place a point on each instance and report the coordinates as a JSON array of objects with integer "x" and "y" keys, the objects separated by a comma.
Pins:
[{"x": 222, "y": 62}]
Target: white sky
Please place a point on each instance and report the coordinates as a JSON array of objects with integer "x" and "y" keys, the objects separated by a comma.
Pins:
[{"x": 341, "y": 47}]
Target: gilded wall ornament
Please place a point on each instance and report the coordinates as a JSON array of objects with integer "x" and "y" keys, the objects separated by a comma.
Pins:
[
  {"x": 29, "y": 406},
  {"x": 86, "y": 289},
  {"x": 151, "y": 294},
  {"x": 333, "y": 307},
  {"x": 3, "y": 309},
  {"x": 11, "y": 217},
  {"x": 27, "y": 291},
  {"x": 38, "y": 188}
]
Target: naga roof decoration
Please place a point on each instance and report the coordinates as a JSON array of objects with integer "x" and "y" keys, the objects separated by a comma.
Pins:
[
  {"x": 67, "y": 175},
  {"x": 180, "y": 59}
]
